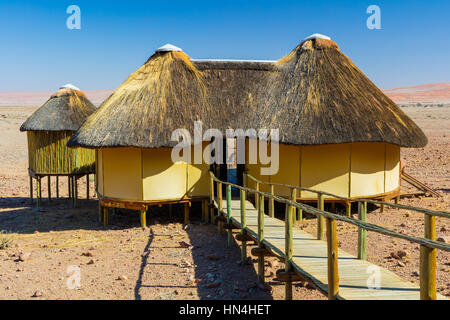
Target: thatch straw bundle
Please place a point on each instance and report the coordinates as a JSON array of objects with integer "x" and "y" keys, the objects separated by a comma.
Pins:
[{"x": 315, "y": 95}]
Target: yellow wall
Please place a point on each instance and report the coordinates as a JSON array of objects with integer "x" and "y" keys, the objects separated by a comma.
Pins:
[
  {"x": 325, "y": 168},
  {"x": 367, "y": 169},
  {"x": 198, "y": 176},
  {"x": 122, "y": 173},
  {"x": 149, "y": 174},
  {"x": 288, "y": 170},
  {"x": 163, "y": 179},
  {"x": 99, "y": 169},
  {"x": 392, "y": 167},
  {"x": 347, "y": 170}
]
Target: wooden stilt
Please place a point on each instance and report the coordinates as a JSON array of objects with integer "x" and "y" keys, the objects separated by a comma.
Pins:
[
  {"x": 38, "y": 192},
  {"x": 100, "y": 211},
  {"x": 397, "y": 199},
  {"x": 348, "y": 209},
  {"x": 170, "y": 211},
  {"x": 332, "y": 246},
  {"x": 143, "y": 219},
  {"x": 75, "y": 183},
  {"x": 105, "y": 216},
  {"x": 69, "y": 186},
  {"x": 362, "y": 233},
  {"x": 320, "y": 206},
  {"x": 243, "y": 231},
  {"x": 87, "y": 186},
  {"x": 49, "y": 186},
  {"x": 428, "y": 262},
  {"x": 288, "y": 251},
  {"x": 300, "y": 214},
  {"x": 333, "y": 206},
  {"x": 260, "y": 238},
  {"x": 31, "y": 190},
  {"x": 382, "y": 206},
  {"x": 57, "y": 187},
  {"x": 186, "y": 213},
  {"x": 211, "y": 199},
  {"x": 206, "y": 212}
]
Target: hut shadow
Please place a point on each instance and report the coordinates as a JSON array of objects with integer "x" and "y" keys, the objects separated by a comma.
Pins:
[
  {"x": 216, "y": 273},
  {"x": 18, "y": 215}
]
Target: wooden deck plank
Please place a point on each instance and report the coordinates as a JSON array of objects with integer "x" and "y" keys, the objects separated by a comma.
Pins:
[{"x": 310, "y": 260}]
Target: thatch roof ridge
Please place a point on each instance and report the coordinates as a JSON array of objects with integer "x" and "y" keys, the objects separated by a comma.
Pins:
[
  {"x": 65, "y": 110},
  {"x": 314, "y": 95}
]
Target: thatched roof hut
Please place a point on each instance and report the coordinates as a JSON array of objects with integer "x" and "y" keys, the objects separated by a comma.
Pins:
[
  {"x": 50, "y": 127},
  {"x": 316, "y": 96}
]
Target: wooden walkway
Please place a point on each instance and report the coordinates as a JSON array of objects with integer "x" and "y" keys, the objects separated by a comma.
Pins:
[{"x": 310, "y": 260}]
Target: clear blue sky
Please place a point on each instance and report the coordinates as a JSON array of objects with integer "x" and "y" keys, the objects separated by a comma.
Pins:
[{"x": 38, "y": 52}]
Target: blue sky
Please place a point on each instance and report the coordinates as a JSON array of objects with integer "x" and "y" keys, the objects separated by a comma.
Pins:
[{"x": 39, "y": 53}]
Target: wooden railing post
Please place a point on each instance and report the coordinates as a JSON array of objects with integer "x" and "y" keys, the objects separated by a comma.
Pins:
[
  {"x": 288, "y": 251},
  {"x": 260, "y": 238},
  {"x": 220, "y": 207},
  {"x": 243, "y": 231},
  {"x": 332, "y": 246},
  {"x": 320, "y": 206},
  {"x": 428, "y": 262},
  {"x": 294, "y": 209},
  {"x": 229, "y": 214},
  {"x": 272, "y": 201},
  {"x": 257, "y": 196},
  {"x": 362, "y": 233}
]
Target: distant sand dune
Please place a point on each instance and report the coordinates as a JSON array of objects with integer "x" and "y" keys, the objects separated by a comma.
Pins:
[
  {"x": 434, "y": 92},
  {"x": 40, "y": 97}
]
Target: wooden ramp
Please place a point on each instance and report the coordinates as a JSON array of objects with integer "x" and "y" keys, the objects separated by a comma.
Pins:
[{"x": 310, "y": 260}]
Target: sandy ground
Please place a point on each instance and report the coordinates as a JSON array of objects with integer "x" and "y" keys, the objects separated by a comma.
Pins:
[{"x": 125, "y": 262}]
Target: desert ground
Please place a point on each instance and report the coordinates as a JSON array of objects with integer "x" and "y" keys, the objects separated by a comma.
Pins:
[{"x": 122, "y": 261}]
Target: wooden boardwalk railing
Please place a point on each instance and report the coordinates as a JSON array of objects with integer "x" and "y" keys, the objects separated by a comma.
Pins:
[{"x": 305, "y": 256}]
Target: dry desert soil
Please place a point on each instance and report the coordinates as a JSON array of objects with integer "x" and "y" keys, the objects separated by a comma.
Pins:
[{"x": 47, "y": 248}]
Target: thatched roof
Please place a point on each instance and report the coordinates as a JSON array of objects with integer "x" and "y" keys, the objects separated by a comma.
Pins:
[
  {"x": 66, "y": 110},
  {"x": 315, "y": 95}
]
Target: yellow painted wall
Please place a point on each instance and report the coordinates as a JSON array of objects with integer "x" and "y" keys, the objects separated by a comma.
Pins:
[
  {"x": 392, "y": 167},
  {"x": 374, "y": 169},
  {"x": 325, "y": 168},
  {"x": 367, "y": 169},
  {"x": 99, "y": 168},
  {"x": 122, "y": 173},
  {"x": 163, "y": 179},
  {"x": 198, "y": 177},
  {"x": 289, "y": 169}
]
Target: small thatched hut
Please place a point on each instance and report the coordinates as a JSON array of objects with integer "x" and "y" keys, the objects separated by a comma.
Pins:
[
  {"x": 338, "y": 132},
  {"x": 48, "y": 130}
]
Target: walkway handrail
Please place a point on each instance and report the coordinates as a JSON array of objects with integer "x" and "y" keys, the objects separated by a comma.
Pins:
[
  {"x": 394, "y": 205},
  {"x": 428, "y": 244}
]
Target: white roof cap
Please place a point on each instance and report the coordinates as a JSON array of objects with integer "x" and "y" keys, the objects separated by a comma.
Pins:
[
  {"x": 168, "y": 47},
  {"x": 69, "y": 86},
  {"x": 317, "y": 36}
]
